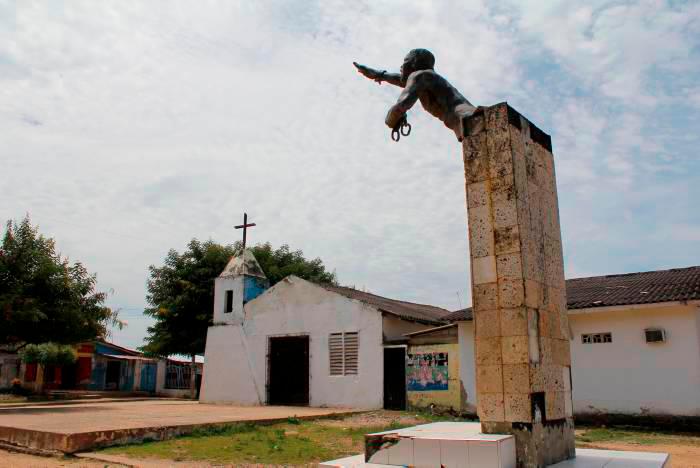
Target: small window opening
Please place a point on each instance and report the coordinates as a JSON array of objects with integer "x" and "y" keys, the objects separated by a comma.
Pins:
[
  {"x": 229, "y": 301},
  {"x": 588, "y": 338}
]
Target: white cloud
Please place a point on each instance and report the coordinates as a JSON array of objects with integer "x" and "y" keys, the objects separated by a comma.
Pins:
[{"x": 129, "y": 128}]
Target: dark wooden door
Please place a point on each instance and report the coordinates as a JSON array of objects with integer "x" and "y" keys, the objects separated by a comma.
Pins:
[
  {"x": 113, "y": 373},
  {"x": 394, "y": 378},
  {"x": 288, "y": 366},
  {"x": 69, "y": 375}
]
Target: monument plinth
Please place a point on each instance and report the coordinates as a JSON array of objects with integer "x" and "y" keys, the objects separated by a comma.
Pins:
[{"x": 523, "y": 362}]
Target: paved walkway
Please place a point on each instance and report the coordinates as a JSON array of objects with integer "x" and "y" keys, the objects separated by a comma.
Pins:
[{"x": 72, "y": 427}]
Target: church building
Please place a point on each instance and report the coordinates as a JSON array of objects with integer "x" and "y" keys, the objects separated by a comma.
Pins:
[{"x": 299, "y": 343}]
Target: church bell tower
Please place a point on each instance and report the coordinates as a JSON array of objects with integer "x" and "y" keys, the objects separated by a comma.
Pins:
[{"x": 241, "y": 281}]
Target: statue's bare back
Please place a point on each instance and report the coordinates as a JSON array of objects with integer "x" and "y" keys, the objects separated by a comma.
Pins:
[{"x": 420, "y": 82}]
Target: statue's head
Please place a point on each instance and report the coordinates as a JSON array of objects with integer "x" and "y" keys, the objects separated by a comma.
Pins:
[{"x": 417, "y": 59}]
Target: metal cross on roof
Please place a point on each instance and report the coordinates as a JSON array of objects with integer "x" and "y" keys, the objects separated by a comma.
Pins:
[{"x": 245, "y": 227}]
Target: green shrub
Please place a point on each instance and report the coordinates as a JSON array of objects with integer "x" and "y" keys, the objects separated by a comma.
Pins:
[{"x": 48, "y": 354}]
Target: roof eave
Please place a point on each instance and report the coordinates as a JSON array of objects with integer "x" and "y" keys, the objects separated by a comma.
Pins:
[
  {"x": 435, "y": 323},
  {"x": 430, "y": 330},
  {"x": 616, "y": 308}
]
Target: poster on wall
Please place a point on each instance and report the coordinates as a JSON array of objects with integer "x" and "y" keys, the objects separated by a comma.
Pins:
[{"x": 427, "y": 372}]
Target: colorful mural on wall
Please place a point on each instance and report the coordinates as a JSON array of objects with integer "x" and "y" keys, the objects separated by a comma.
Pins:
[{"x": 427, "y": 372}]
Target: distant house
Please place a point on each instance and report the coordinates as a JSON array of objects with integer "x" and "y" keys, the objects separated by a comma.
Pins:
[
  {"x": 635, "y": 344},
  {"x": 103, "y": 366},
  {"x": 299, "y": 343}
]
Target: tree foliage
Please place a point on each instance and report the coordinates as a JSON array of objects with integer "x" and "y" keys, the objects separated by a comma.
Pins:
[
  {"x": 181, "y": 292},
  {"x": 48, "y": 354},
  {"x": 43, "y": 297}
]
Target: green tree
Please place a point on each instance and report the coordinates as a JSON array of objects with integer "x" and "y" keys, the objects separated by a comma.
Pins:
[
  {"x": 43, "y": 297},
  {"x": 181, "y": 292}
]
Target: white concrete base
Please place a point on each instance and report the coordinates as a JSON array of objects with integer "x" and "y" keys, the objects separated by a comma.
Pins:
[
  {"x": 450, "y": 444},
  {"x": 585, "y": 458},
  {"x": 590, "y": 458}
]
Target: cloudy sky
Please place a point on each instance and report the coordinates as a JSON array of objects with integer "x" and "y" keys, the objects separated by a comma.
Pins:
[{"x": 129, "y": 128}]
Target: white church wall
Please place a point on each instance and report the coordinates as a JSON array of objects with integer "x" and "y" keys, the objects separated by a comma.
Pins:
[
  {"x": 466, "y": 362},
  {"x": 629, "y": 375},
  {"x": 225, "y": 358},
  {"x": 295, "y": 306}
]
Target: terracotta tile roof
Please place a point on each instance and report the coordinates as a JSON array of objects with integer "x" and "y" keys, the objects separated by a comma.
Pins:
[
  {"x": 678, "y": 284},
  {"x": 460, "y": 315},
  {"x": 648, "y": 287},
  {"x": 421, "y": 313}
]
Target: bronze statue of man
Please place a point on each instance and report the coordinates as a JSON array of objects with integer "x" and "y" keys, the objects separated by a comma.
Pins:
[{"x": 419, "y": 81}]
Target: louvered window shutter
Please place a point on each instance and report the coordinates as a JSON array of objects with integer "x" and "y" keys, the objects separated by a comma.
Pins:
[
  {"x": 343, "y": 350},
  {"x": 335, "y": 350},
  {"x": 350, "y": 352}
]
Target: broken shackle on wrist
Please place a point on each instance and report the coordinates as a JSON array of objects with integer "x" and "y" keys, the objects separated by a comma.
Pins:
[
  {"x": 402, "y": 128},
  {"x": 380, "y": 77}
]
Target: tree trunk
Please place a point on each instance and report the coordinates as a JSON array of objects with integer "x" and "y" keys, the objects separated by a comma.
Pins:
[{"x": 193, "y": 379}]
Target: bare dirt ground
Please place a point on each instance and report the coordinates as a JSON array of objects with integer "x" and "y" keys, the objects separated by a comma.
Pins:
[
  {"x": 20, "y": 460},
  {"x": 682, "y": 456},
  {"x": 375, "y": 419}
]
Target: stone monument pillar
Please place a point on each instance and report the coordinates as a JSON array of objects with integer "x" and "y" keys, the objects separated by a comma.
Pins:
[{"x": 523, "y": 363}]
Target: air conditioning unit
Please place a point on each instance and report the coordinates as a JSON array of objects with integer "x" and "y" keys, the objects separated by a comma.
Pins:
[{"x": 655, "y": 335}]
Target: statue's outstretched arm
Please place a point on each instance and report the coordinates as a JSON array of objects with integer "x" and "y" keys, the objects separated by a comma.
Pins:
[
  {"x": 408, "y": 97},
  {"x": 379, "y": 76}
]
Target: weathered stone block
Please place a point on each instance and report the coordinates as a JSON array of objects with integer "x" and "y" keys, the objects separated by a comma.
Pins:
[
  {"x": 544, "y": 326},
  {"x": 555, "y": 405},
  {"x": 514, "y": 322},
  {"x": 488, "y": 324},
  {"x": 561, "y": 352},
  {"x": 484, "y": 270},
  {"x": 518, "y": 407},
  {"x": 488, "y": 351},
  {"x": 508, "y": 266},
  {"x": 554, "y": 326},
  {"x": 516, "y": 378},
  {"x": 476, "y": 167},
  {"x": 506, "y": 240},
  {"x": 545, "y": 350},
  {"x": 533, "y": 293},
  {"x": 481, "y": 240},
  {"x": 502, "y": 189},
  {"x": 505, "y": 214},
  {"x": 553, "y": 378},
  {"x": 515, "y": 350},
  {"x": 489, "y": 379},
  {"x": 475, "y": 125},
  {"x": 496, "y": 116},
  {"x": 511, "y": 293},
  {"x": 537, "y": 378},
  {"x": 500, "y": 158},
  {"x": 485, "y": 296},
  {"x": 554, "y": 268},
  {"x": 533, "y": 333},
  {"x": 491, "y": 407},
  {"x": 568, "y": 405},
  {"x": 477, "y": 195}
]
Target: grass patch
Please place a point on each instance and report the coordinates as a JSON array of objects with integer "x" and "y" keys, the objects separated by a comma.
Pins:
[
  {"x": 276, "y": 444},
  {"x": 634, "y": 436},
  {"x": 292, "y": 442}
]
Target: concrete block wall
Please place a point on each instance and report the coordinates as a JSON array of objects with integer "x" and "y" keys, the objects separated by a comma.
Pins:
[{"x": 521, "y": 327}]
